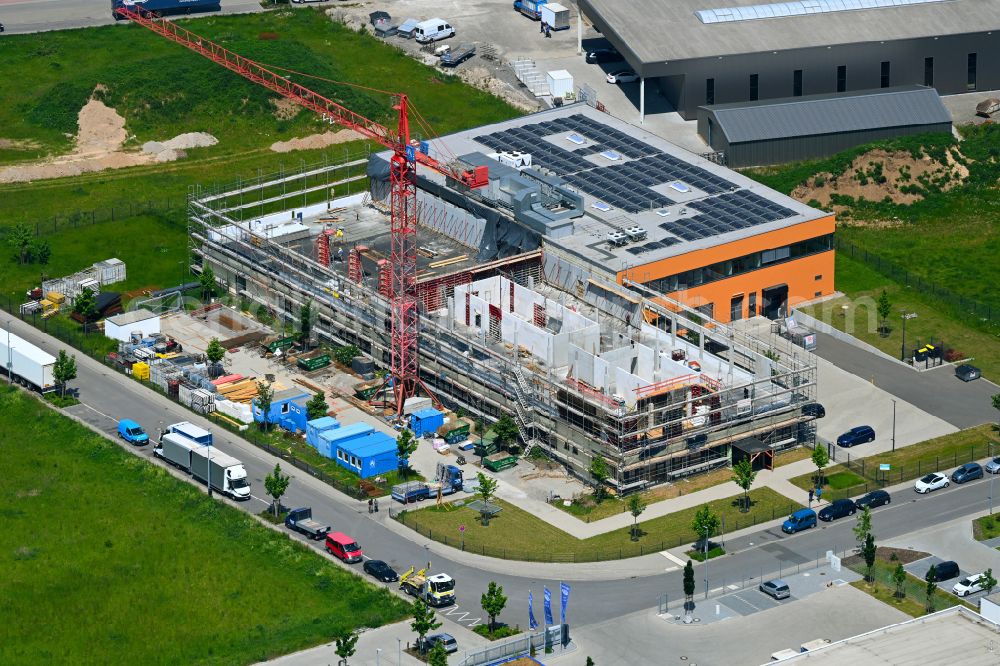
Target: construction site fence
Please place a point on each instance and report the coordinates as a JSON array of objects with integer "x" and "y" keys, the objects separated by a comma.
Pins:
[
  {"x": 644, "y": 546},
  {"x": 966, "y": 308},
  {"x": 84, "y": 218},
  {"x": 550, "y": 641},
  {"x": 875, "y": 478}
]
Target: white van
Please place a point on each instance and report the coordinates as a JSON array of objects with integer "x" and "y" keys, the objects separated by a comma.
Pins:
[{"x": 432, "y": 30}]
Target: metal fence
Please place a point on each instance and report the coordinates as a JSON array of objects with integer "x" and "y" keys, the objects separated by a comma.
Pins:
[
  {"x": 84, "y": 218},
  {"x": 411, "y": 519},
  {"x": 552, "y": 640},
  {"x": 966, "y": 308}
]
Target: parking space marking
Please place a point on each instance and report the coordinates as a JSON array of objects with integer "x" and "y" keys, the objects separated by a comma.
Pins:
[
  {"x": 751, "y": 605},
  {"x": 96, "y": 411},
  {"x": 462, "y": 616}
]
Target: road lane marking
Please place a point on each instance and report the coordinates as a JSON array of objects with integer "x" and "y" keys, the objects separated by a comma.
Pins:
[
  {"x": 97, "y": 411},
  {"x": 669, "y": 569},
  {"x": 252, "y": 496},
  {"x": 676, "y": 560}
]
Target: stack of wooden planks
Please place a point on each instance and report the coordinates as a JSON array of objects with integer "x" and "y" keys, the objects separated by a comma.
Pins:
[{"x": 239, "y": 390}]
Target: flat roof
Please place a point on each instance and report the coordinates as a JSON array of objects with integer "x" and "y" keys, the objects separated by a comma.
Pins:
[
  {"x": 811, "y": 115},
  {"x": 955, "y": 634},
  {"x": 629, "y": 178},
  {"x": 132, "y": 317},
  {"x": 655, "y": 31}
]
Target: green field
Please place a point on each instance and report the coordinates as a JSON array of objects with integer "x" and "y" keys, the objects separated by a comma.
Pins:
[
  {"x": 109, "y": 559},
  {"x": 518, "y": 535}
]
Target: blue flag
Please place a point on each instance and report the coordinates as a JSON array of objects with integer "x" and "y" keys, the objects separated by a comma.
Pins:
[
  {"x": 563, "y": 601},
  {"x": 548, "y": 606},
  {"x": 532, "y": 624}
]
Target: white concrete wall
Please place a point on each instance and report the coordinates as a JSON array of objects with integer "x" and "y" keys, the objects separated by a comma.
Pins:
[{"x": 122, "y": 333}]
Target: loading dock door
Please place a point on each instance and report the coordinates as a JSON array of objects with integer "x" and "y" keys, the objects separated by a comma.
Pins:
[{"x": 775, "y": 300}]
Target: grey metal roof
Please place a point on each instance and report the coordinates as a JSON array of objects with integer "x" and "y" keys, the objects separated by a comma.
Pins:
[
  {"x": 651, "y": 33},
  {"x": 132, "y": 317},
  {"x": 904, "y": 106}
]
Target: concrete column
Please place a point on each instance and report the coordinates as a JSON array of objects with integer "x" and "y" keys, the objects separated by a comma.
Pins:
[
  {"x": 579, "y": 30},
  {"x": 642, "y": 99}
]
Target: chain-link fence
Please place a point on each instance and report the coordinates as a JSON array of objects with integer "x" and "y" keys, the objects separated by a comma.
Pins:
[{"x": 171, "y": 209}]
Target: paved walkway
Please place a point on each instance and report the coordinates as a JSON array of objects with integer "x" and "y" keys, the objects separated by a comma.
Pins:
[{"x": 952, "y": 541}]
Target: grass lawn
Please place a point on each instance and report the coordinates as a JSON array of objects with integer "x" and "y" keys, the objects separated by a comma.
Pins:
[
  {"x": 987, "y": 527},
  {"x": 915, "y": 599},
  {"x": 518, "y": 535},
  {"x": 863, "y": 285},
  {"x": 207, "y": 585},
  {"x": 908, "y": 462},
  {"x": 699, "y": 556},
  {"x": 841, "y": 479},
  {"x": 792, "y": 455}
]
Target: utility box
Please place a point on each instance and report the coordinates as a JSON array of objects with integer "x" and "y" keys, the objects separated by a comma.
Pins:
[{"x": 560, "y": 82}]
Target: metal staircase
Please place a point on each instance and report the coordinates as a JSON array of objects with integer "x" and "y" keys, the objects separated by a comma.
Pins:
[{"x": 523, "y": 409}]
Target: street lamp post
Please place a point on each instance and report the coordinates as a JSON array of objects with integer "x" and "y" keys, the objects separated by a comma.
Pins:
[
  {"x": 10, "y": 364},
  {"x": 992, "y": 477},
  {"x": 906, "y": 315},
  {"x": 893, "y": 425}
]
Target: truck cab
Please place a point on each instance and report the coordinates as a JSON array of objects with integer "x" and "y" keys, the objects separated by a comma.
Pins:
[
  {"x": 436, "y": 590},
  {"x": 343, "y": 547},
  {"x": 132, "y": 432}
]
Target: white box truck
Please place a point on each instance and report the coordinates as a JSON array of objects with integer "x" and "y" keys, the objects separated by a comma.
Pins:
[
  {"x": 555, "y": 15},
  {"x": 29, "y": 366},
  {"x": 223, "y": 472},
  {"x": 176, "y": 450}
]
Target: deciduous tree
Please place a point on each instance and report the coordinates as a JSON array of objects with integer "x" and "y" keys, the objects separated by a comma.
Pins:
[
  {"x": 743, "y": 476},
  {"x": 215, "y": 352},
  {"x": 599, "y": 471},
  {"x": 821, "y": 459},
  {"x": 636, "y": 506},
  {"x": 345, "y": 645},
  {"x": 265, "y": 395},
  {"x": 506, "y": 430},
  {"x": 207, "y": 282},
  {"x": 85, "y": 304},
  {"x": 424, "y": 621},
  {"x": 19, "y": 238},
  {"x": 316, "y": 407},
  {"x": 486, "y": 492},
  {"x": 493, "y": 602},
  {"x": 276, "y": 484},
  {"x": 868, "y": 551},
  {"x": 863, "y": 527},
  {"x": 931, "y": 580},
  {"x": 899, "y": 579},
  {"x": 988, "y": 582},
  {"x": 64, "y": 370},
  {"x": 305, "y": 323},
  {"x": 406, "y": 444},
  {"x": 884, "y": 308},
  {"x": 437, "y": 656},
  {"x": 705, "y": 524}
]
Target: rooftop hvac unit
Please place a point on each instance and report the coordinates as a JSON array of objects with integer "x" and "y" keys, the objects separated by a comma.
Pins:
[{"x": 513, "y": 159}]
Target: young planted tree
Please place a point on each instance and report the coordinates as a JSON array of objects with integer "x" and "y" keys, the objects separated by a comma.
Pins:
[
  {"x": 868, "y": 551},
  {"x": 207, "y": 283},
  {"x": 589, "y": 662},
  {"x": 39, "y": 251},
  {"x": 276, "y": 484},
  {"x": 316, "y": 407},
  {"x": 705, "y": 525},
  {"x": 346, "y": 354},
  {"x": 406, "y": 444},
  {"x": 931, "y": 580},
  {"x": 19, "y": 238},
  {"x": 265, "y": 395},
  {"x": 437, "y": 656},
  {"x": 215, "y": 352},
  {"x": 424, "y": 622},
  {"x": 743, "y": 476},
  {"x": 305, "y": 323},
  {"x": 599, "y": 471},
  {"x": 636, "y": 506},
  {"x": 884, "y": 308},
  {"x": 64, "y": 370},
  {"x": 899, "y": 579},
  {"x": 486, "y": 492},
  {"x": 506, "y": 430},
  {"x": 988, "y": 582},
  {"x": 345, "y": 645},
  {"x": 493, "y": 602},
  {"x": 689, "y": 587},
  {"x": 821, "y": 459},
  {"x": 863, "y": 527},
  {"x": 85, "y": 304}
]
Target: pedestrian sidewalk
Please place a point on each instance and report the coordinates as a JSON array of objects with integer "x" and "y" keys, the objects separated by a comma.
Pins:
[{"x": 952, "y": 541}]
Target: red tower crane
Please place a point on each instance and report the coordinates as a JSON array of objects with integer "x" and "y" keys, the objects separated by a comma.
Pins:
[{"x": 404, "y": 352}]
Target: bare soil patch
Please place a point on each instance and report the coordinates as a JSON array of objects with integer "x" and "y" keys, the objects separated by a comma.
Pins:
[
  {"x": 314, "y": 141},
  {"x": 884, "y": 553},
  {"x": 18, "y": 144},
  {"x": 879, "y": 175},
  {"x": 285, "y": 109}
]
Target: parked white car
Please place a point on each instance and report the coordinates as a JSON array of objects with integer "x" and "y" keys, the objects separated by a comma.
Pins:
[
  {"x": 622, "y": 76},
  {"x": 970, "y": 585},
  {"x": 932, "y": 481}
]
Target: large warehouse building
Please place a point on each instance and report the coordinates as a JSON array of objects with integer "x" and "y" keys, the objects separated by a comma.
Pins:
[
  {"x": 704, "y": 52},
  {"x": 576, "y": 291}
]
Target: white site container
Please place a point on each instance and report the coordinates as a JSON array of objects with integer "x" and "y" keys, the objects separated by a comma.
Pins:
[{"x": 560, "y": 82}]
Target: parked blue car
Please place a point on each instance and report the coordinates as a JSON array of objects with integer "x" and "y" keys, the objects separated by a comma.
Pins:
[
  {"x": 855, "y": 436},
  {"x": 802, "y": 519},
  {"x": 132, "y": 432}
]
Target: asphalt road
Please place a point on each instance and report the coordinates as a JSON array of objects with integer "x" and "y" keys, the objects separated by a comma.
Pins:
[
  {"x": 108, "y": 396},
  {"x": 937, "y": 391},
  {"x": 20, "y": 16}
]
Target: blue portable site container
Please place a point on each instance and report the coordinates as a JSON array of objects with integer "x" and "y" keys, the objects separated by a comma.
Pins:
[
  {"x": 288, "y": 410},
  {"x": 426, "y": 420},
  {"x": 317, "y": 426},
  {"x": 368, "y": 455}
]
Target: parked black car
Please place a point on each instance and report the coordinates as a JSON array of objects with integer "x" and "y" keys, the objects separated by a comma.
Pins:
[
  {"x": 381, "y": 571},
  {"x": 603, "y": 55},
  {"x": 873, "y": 499},
  {"x": 813, "y": 409},
  {"x": 945, "y": 570},
  {"x": 967, "y": 372},
  {"x": 967, "y": 472},
  {"x": 856, "y": 436},
  {"x": 837, "y": 509}
]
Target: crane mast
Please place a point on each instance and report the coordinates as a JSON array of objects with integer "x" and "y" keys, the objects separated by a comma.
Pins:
[{"x": 404, "y": 375}]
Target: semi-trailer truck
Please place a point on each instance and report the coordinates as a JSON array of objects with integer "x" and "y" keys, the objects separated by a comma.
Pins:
[
  {"x": 29, "y": 366},
  {"x": 221, "y": 471},
  {"x": 164, "y": 7}
]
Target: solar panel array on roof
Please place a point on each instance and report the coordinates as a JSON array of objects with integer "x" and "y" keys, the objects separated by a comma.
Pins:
[
  {"x": 727, "y": 212},
  {"x": 618, "y": 191}
]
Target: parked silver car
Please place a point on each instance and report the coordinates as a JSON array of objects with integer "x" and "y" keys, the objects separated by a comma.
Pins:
[
  {"x": 776, "y": 588},
  {"x": 993, "y": 466}
]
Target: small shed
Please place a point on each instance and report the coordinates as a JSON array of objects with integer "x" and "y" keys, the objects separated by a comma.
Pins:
[
  {"x": 120, "y": 327},
  {"x": 560, "y": 82},
  {"x": 370, "y": 454},
  {"x": 425, "y": 421},
  {"x": 761, "y": 455},
  {"x": 791, "y": 129},
  {"x": 317, "y": 426},
  {"x": 288, "y": 409}
]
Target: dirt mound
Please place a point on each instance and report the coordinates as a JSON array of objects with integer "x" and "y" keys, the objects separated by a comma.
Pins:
[
  {"x": 879, "y": 175},
  {"x": 99, "y": 143},
  {"x": 285, "y": 109},
  {"x": 314, "y": 141}
]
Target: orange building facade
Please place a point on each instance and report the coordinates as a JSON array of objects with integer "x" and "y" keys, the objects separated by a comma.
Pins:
[{"x": 765, "y": 274}]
